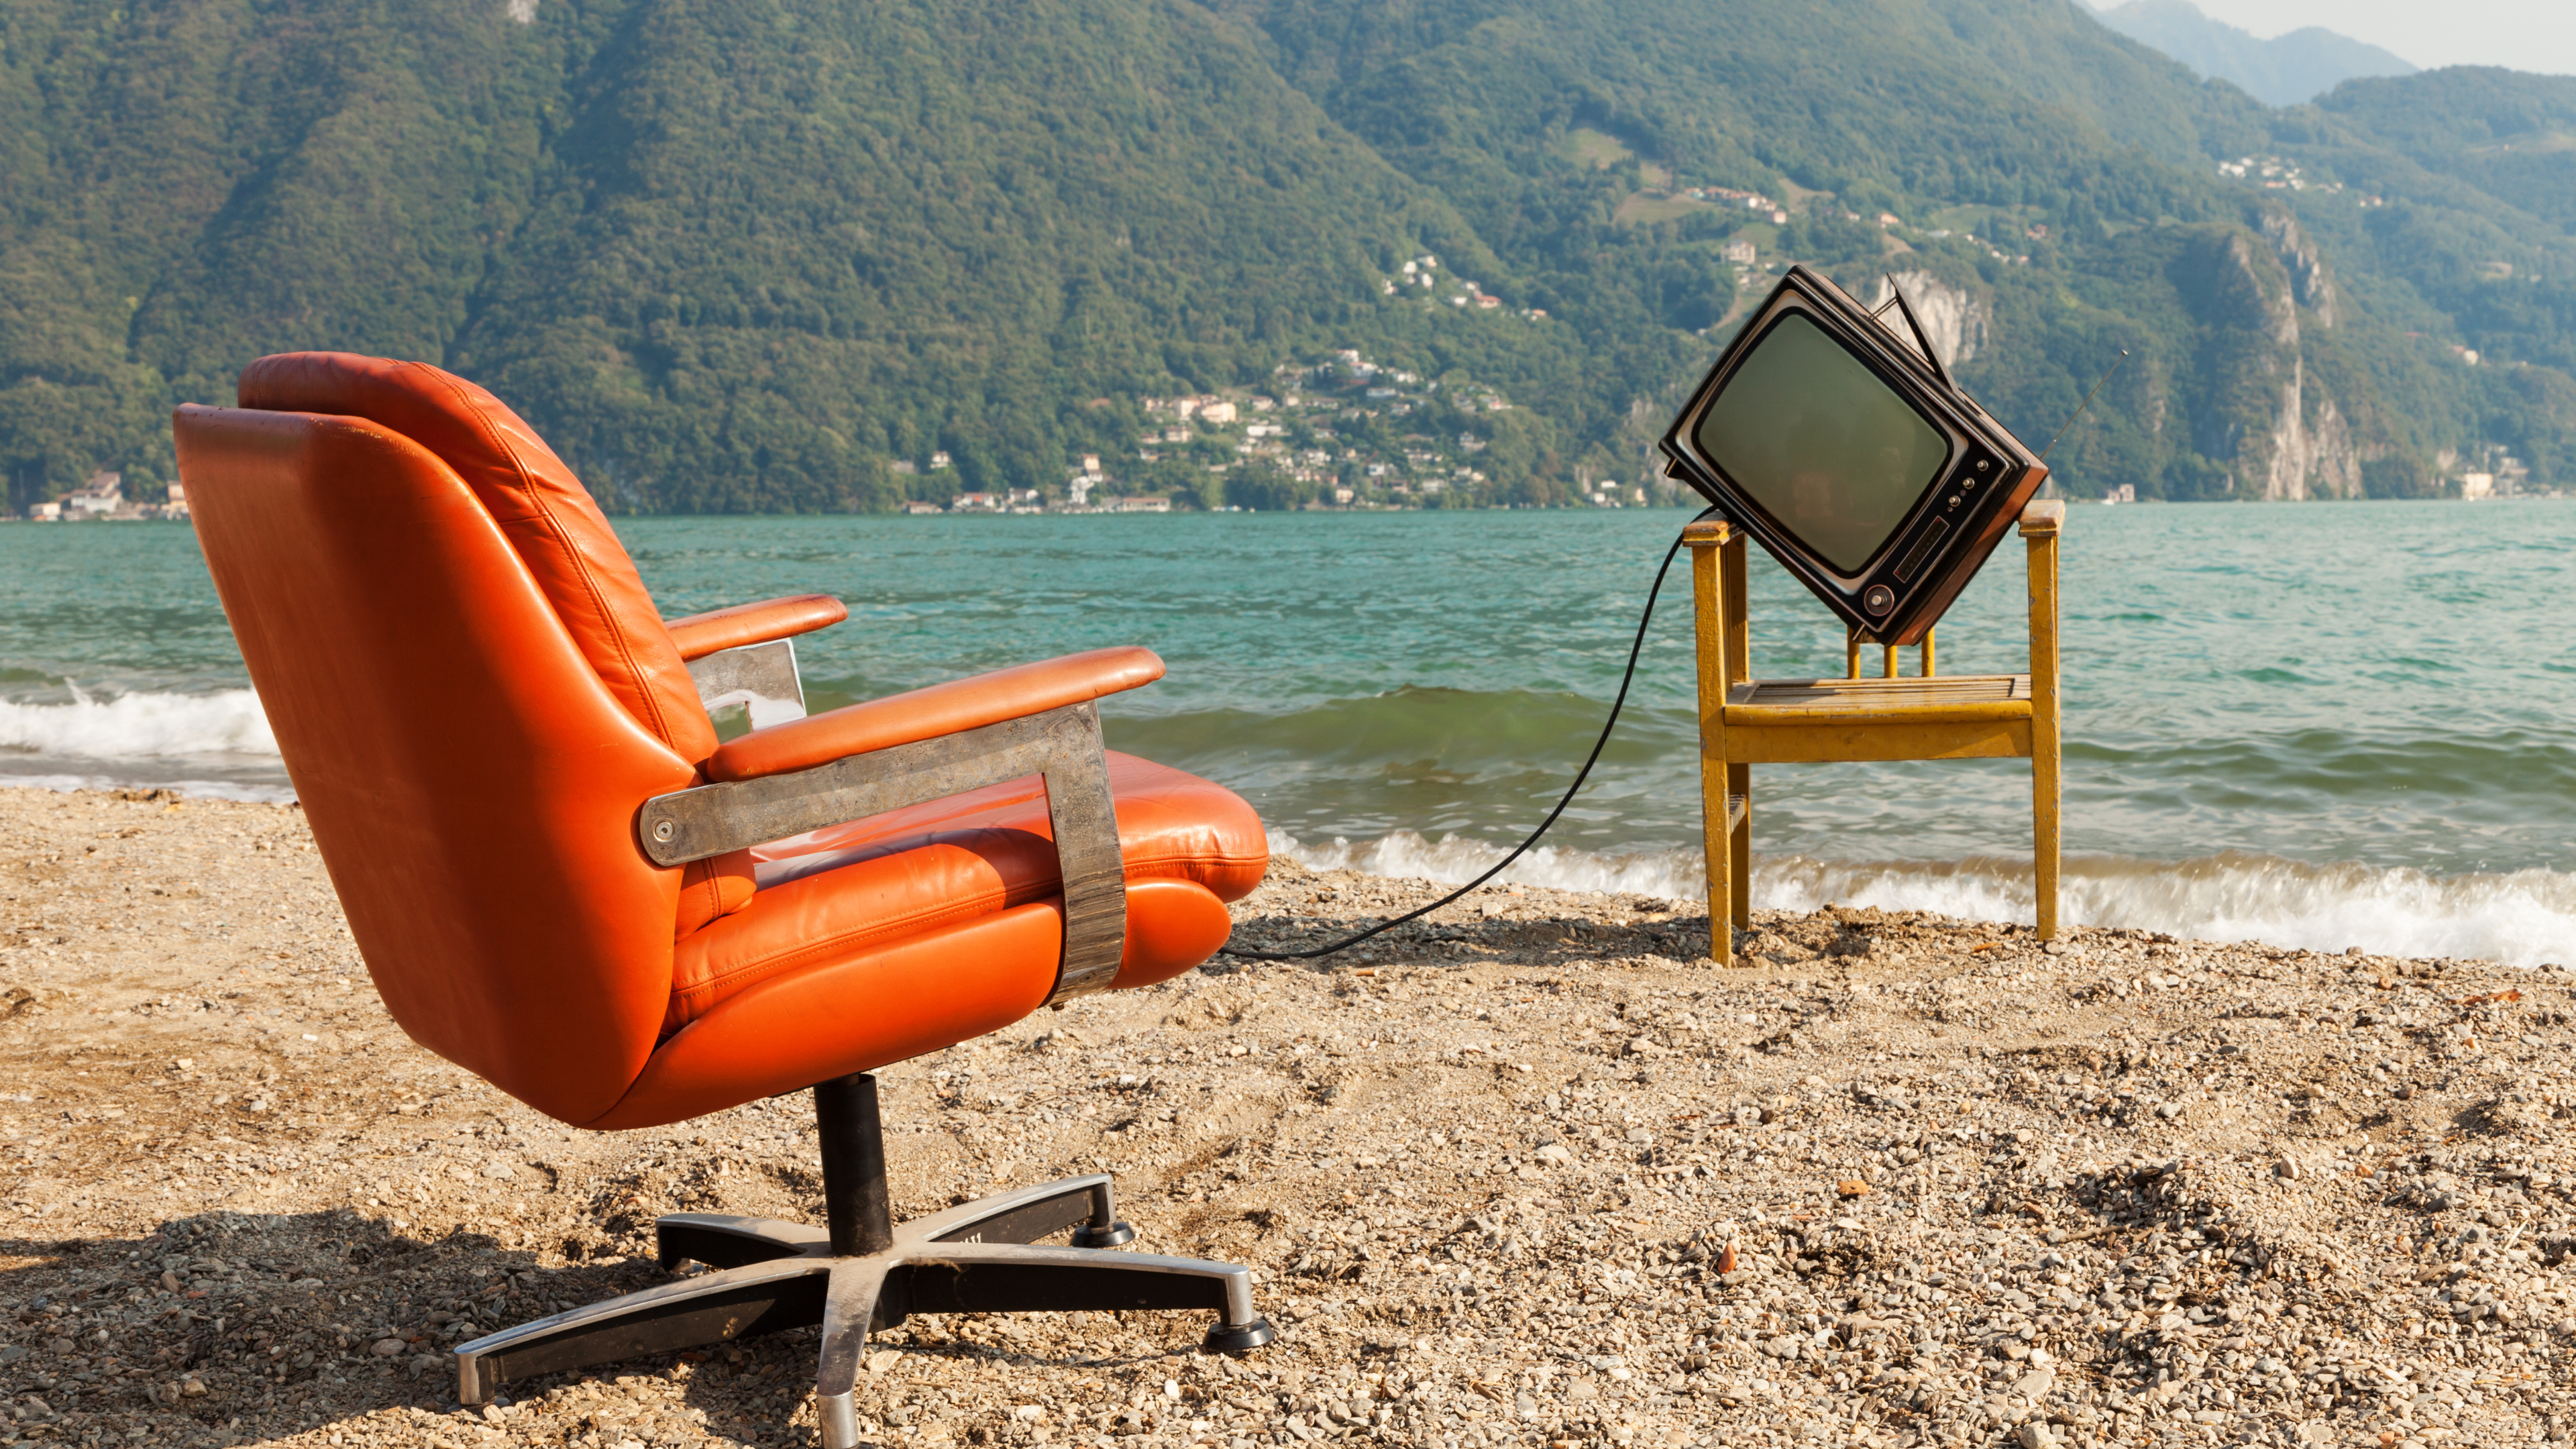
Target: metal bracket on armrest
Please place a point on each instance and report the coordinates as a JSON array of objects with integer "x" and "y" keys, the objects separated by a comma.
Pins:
[
  {"x": 761, "y": 678},
  {"x": 1062, "y": 745}
]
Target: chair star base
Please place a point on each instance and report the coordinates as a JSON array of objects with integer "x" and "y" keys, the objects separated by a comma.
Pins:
[{"x": 768, "y": 1275}]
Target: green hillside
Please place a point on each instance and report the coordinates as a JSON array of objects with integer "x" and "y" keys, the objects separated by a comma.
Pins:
[
  {"x": 2059, "y": 184},
  {"x": 779, "y": 255},
  {"x": 2510, "y": 135}
]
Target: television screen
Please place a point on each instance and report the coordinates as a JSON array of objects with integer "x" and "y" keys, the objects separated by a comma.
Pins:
[
  {"x": 1821, "y": 443},
  {"x": 1845, "y": 450}
]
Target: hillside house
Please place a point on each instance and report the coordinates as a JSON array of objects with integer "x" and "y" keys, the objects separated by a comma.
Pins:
[{"x": 103, "y": 493}]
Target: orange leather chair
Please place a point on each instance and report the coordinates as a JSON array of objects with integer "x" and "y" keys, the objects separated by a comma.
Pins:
[{"x": 562, "y": 880}]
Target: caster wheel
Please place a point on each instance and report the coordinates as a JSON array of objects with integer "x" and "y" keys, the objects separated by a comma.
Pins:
[
  {"x": 1118, "y": 1232},
  {"x": 1239, "y": 1337}
]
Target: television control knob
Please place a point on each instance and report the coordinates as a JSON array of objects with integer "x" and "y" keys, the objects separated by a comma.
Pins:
[
  {"x": 1983, "y": 464},
  {"x": 1879, "y": 599}
]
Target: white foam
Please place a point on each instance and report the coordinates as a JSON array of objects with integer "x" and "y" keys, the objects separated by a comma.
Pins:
[
  {"x": 139, "y": 726},
  {"x": 2521, "y": 918},
  {"x": 255, "y": 791},
  {"x": 1670, "y": 873}
]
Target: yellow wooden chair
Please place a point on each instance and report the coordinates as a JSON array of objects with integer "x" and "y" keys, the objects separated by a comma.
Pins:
[{"x": 1745, "y": 721}]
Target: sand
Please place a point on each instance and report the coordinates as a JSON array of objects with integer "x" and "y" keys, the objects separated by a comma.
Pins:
[{"x": 1527, "y": 1174}]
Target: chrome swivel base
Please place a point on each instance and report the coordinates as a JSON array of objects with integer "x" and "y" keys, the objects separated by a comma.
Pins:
[{"x": 770, "y": 1275}]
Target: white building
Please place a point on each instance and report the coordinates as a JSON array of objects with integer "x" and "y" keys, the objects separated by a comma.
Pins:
[{"x": 103, "y": 493}]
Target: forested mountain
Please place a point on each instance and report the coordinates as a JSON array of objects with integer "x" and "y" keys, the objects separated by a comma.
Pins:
[
  {"x": 745, "y": 256},
  {"x": 2281, "y": 71},
  {"x": 2510, "y": 135}
]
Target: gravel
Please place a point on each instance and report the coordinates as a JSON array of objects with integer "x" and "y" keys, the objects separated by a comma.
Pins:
[{"x": 1523, "y": 1173}]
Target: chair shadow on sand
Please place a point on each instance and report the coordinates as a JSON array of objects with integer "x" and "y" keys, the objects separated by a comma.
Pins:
[{"x": 293, "y": 1323}]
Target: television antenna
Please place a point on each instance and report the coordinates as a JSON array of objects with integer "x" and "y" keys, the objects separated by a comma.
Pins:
[
  {"x": 1922, "y": 339},
  {"x": 2080, "y": 407}
]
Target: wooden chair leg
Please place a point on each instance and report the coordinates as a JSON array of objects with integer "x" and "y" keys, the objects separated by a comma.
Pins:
[
  {"x": 2039, "y": 527},
  {"x": 1739, "y": 854},
  {"x": 2044, "y": 796},
  {"x": 1720, "y": 847},
  {"x": 1707, "y": 544}
]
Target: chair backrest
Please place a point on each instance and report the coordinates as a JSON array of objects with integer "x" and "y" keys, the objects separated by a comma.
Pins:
[
  {"x": 558, "y": 531},
  {"x": 469, "y": 764},
  {"x": 543, "y": 510}
]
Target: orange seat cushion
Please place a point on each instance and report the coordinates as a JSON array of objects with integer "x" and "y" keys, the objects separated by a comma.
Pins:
[{"x": 836, "y": 893}]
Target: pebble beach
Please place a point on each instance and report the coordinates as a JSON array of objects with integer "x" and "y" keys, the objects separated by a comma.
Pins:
[{"x": 1529, "y": 1172}]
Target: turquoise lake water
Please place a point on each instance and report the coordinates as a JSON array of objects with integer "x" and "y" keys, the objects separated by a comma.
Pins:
[{"x": 2320, "y": 724}]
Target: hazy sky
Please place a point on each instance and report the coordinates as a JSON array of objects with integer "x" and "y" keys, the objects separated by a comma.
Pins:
[{"x": 2522, "y": 34}]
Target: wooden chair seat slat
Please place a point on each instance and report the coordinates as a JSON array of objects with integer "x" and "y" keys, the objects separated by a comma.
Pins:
[
  {"x": 1882, "y": 693},
  {"x": 1961, "y": 699}
]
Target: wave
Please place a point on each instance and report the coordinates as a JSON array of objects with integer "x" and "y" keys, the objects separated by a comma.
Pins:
[
  {"x": 2520, "y": 918},
  {"x": 218, "y": 743},
  {"x": 275, "y": 791},
  {"x": 139, "y": 726}
]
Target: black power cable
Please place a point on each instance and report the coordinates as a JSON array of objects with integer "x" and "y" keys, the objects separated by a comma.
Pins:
[{"x": 1521, "y": 849}]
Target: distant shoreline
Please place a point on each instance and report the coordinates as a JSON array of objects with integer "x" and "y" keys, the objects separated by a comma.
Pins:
[{"x": 1689, "y": 505}]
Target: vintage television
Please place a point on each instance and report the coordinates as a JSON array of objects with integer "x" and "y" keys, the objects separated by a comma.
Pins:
[{"x": 1846, "y": 450}]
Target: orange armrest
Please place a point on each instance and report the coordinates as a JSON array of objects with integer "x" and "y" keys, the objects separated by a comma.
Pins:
[
  {"x": 941, "y": 709},
  {"x": 700, "y": 635}
]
